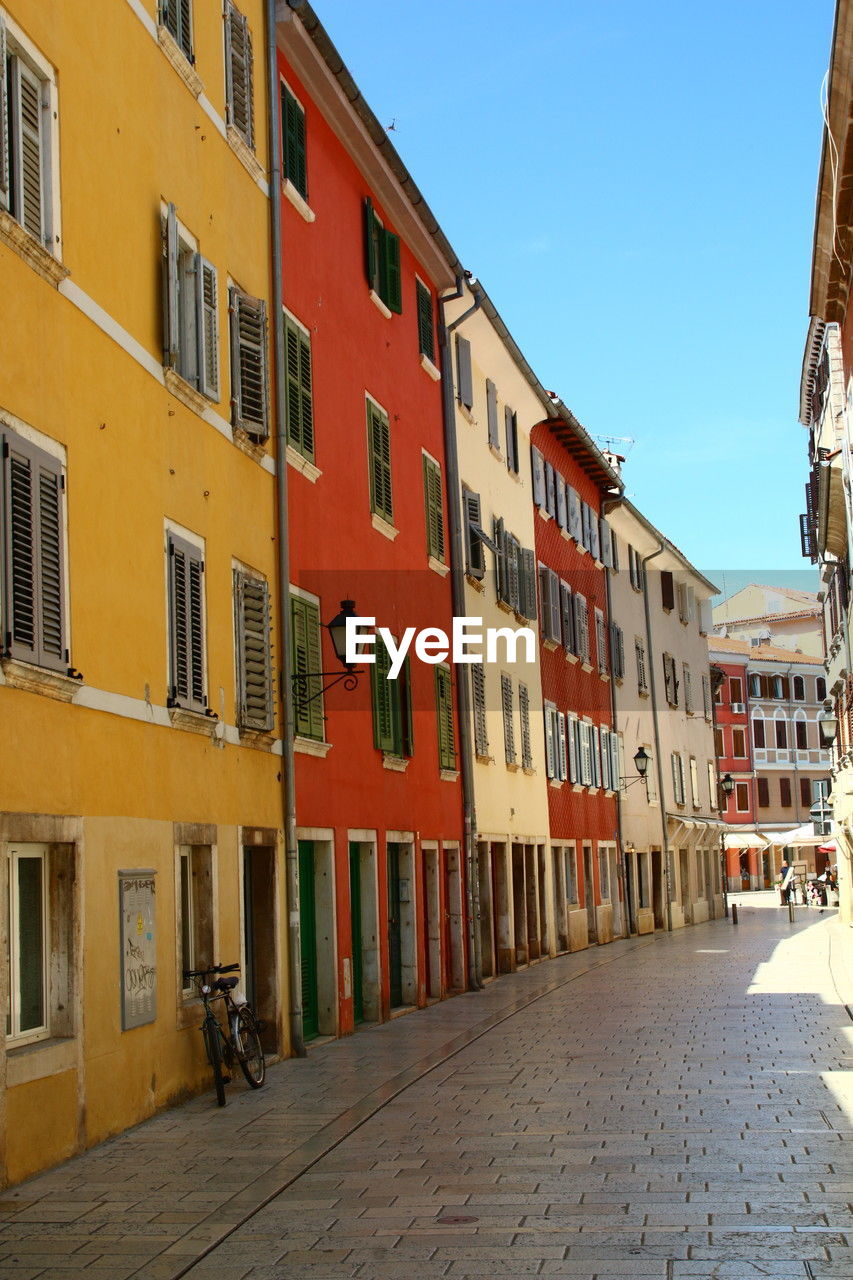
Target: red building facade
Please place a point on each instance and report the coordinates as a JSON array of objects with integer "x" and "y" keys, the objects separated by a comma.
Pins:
[
  {"x": 379, "y": 807},
  {"x": 733, "y": 741},
  {"x": 579, "y": 654}
]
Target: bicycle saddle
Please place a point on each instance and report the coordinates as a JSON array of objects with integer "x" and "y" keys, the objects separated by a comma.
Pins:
[{"x": 226, "y": 984}]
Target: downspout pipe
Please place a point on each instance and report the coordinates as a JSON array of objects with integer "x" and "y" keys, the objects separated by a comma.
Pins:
[
  {"x": 457, "y": 588},
  {"x": 606, "y": 507},
  {"x": 288, "y": 773},
  {"x": 656, "y": 723}
]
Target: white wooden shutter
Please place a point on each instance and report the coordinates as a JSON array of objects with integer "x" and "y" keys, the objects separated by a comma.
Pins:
[
  {"x": 572, "y": 733},
  {"x": 492, "y": 414},
  {"x": 586, "y": 753},
  {"x": 207, "y": 308},
  {"x": 254, "y": 667},
  {"x": 537, "y": 466},
  {"x": 562, "y": 762},
  {"x": 605, "y": 759},
  {"x": 238, "y": 74},
  {"x": 171, "y": 318},
  {"x": 4, "y": 121},
  {"x": 550, "y": 755},
  {"x": 562, "y": 508},
  {"x": 465, "y": 387},
  {"x": 596, "y": 756},
  {"x": 249, "y": 364},
  {"x": 554, "y": 604},
  {"x": 615, "y": 760},
  {"x": 574, "y": 503}
]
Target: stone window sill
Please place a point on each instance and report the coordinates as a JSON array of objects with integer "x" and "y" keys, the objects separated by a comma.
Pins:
[
  {"x": 448, "y": 775},
  {"x": 193, "y": 721},
  {"x": 550, "y": 644},
  {"x": 437, "y": 567},
  {"x": 183, "y": 391},
  {"x": 180, "y": 62},
  {"x": 247, "y": 444},
  {"x": 302, "y": 465},
  {"x": 39, "y": 1059},
  {"x": 587, "y": 667},
  {"x": 564, "y": 533},
  {"x": 543, "y": 514},
  {"x": 260, "y": 739},
  {"x": 380, "y": 305},
  {"x": 397, "y": 764},
  {"x": 496, "y": 453},
  {"x": 528, "y": 771},
  {"x": 311, "y": 747},
  {"x": 484, "y": 759},
  {"x": 33, "y": 679},
  {"x": 605, "y": 676},
  {"x": 245, "y": 154},
  {"x": 19, "y": 240},
  {"x": 430, "y": 369},
  {"x": 477, "y": 583},
  {"x": 582, "y": 551},
  {"x": 467, "y": 413},
  {"x": 571, "y": 657},
  {"x": 556, "y": 783},
  {"x": 300, "y": 204},
  {"x": 512, "y": 767},
  {"x": 504, "y": 607},
  {"x": 382, "y": 526}
]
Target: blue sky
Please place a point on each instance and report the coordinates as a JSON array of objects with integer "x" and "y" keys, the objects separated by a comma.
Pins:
[{"x": 634, "y": 184}]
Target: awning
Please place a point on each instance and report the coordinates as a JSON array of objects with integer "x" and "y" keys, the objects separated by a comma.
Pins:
[
  {"x": 797, "y": 838},
  {"x": 745, "y": 840},
  {"x": 829, "y": 847}
]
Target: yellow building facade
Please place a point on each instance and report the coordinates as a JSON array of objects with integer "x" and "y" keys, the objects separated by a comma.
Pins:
[{"x": 140, "y": 803}]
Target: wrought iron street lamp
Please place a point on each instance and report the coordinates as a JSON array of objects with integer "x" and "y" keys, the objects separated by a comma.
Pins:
[
  {"x": 727, "y": 785},
  {"x": 827, "y": 724},
  {"x": 304, "y": 681},
  {"x": 642, "y": 760}
]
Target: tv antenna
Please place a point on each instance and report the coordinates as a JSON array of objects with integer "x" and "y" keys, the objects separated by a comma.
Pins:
[{"x": 617, "y": 444}]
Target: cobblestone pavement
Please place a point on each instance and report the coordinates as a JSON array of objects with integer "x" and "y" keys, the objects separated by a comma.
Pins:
[{"x": 672, "y": 1107}]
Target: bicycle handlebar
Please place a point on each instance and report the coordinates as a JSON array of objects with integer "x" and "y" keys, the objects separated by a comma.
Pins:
[{"x": 215, "y": 968}]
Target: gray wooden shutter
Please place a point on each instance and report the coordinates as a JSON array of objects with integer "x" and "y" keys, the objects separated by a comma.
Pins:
[
  {"x": 544, "y": 600},
  {"x": 28, "y": 158},
  {"x": 186, "y": 625},
  {"x": 567, "y": 618},
  {"x": 550, "y": 490},
  {"x": 249, "y": 364},
  {"x": 464, "y": 375},
  {"x": 476, "y": 555},
  {"x": 550, "y": 745},
  {"x": 513, "y": 557},
  {"x": 171, "y": 319},
  {"x": 511, "y": 425},
  {"x": 499, "y": 538},
  {"x": 4, "y": 120},
  {"x": 554, "y": 603},
  {"x": 254, "y": 666},
  {"x": 574, "y": 502},
  {"x": 524, "y": 722},
  {"x": 528, "y": 573},
  {"x": 492, "y": 414},
  {"x": 606, "y": 543},
  {"x": 594, "y": 544},
  {"x": 207, "y": 302},
  {"x": 238, "y": 74},
  {"x": 509, "y": 729},
  {"x": 34, "y": 555},
  {"x": 581, "y": 628},
  {"x": 537, "y": 466},
  {"x": 562, "y": 509},
  {"x": 478, "y": 687},
  {"x": 299, "y": 396}
]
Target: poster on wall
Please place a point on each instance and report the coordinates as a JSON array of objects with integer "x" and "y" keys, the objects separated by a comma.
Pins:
[{"x": 138, "y": 940}]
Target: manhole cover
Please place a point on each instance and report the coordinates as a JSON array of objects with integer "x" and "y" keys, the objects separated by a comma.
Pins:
[{"x": 456, "y": 1221}]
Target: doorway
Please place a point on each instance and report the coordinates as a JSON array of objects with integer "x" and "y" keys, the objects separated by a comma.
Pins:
[
  {"x": 431, "y": 917},
  {"x": 589, "y": 895},
  {"x": 488, "y": 945},
  {"x": 402, "y": 952},
  {"x": 630, "y": 892},
  {"x": 616, "y": 895},
  {"x": 684, "y": 876},
  {"x": 503, "y": 888},
  {"x": 317, "y": 939},
  {"x": 453, "y": 957},
  {"x": 259, "y": 939},
  {"x": 657, "y": 888}
]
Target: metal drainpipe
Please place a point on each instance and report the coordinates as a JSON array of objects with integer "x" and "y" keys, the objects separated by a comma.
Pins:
[
  {"x": 288, "y": 778},
  {"x": 606, "y": 506},
  {"x": 794, "y": 749},
  {"x": 656, "y": 723},
  {"x": 457, "y": 587}
]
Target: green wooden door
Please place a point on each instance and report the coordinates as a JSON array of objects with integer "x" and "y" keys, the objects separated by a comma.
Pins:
[
  {"x": 355, "y": 919},
  {"x": 395, "y": 951},
  {"x": 308, "y": 940}
]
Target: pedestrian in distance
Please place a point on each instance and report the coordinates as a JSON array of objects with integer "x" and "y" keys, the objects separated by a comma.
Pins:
[{"x": 786, "y": 883}]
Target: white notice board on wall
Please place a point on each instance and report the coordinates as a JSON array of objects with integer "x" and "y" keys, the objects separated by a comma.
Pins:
[{"x": 138, "y": 940}]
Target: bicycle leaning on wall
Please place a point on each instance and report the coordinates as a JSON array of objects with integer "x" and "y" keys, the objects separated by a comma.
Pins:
[{"x": 241, "y": 1042}]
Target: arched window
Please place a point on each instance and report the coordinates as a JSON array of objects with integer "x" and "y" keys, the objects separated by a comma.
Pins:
[
  {"x": 778, "y": 687},
  {"x": 801, "y": 730},
  {"x": 820, "y": 688},
  {"x": 799, "y": 689},
  {"x": 755, "y": 685},
  {"x": 781, "y": 730}
]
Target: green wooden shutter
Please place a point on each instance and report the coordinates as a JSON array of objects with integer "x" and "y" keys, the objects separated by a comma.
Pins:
[
  {"x": 294, "y": 136},
  {"x": 249, "y": 364},
  {"x": 379, "y": 449},
  {"x": 426, "y": 328},
  {"x": 406, "y": 720},
  {"x": 434, "y": 509},
  {"x": 383, "y": 717},
  {"x": 372, "y": 245},
  {"x": 444, "y": 717},
  {"x": 306, "y": 662},
  {"x": 300, "y": 404},
  {"x": 391, "y": 291},
  {"x": 207, "y": 327},
  {"x": 238, "y": 74},
  {"x": 254, "y": 666},
  {"x": 4, "y": 120}
]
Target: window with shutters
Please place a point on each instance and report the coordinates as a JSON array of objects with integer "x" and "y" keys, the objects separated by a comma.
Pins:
[
  {"x": 670, "y": 679},
  {"x": 195, "y": 911},
  {"x": 492, "y": 416},
  {"x": 719, "y": 744},
  {"x": 742, "y": 797},
  {"x": 426, "y": 324},
  {"x": 573, "y": 744},
  {"x": 306, "y": 660},
  {"x": 820, "y": 689},
  {"x": 678, "y": 777},
  {"x": 187, "y": 666},
  {"x": 511, "y": 427},
  {"x": 667, "y": 591},
  {"x": 574, "y": 514},
  {"x": 805, "y": 792},
  {"x": 585, "y": 752},
  {"x": 444, "y": 717},
  {"x": 464, "y": 373},
  {"x": 581, "y": 628},
  {"x": 758, "y": 733},
  {"x": 781, "y": 730},
  {"x": 294, "y": 141},
  {"x": 476, "y": 539},
  {"x": 478, "y": 690},
  {"x": 617, "y": 651},
  {"x": 254, "y": 663},
  {"x": 508, "y": 719},
  {"x": 177, "y": 17},
  {"x": 763, "y": 793},
  {"x": 635, "y": 569},
  {"x": 239, "y": 75},
  {"x": 392, "y": 706},
  {"x": 801, "y": 732},
  {"x": 29, "y": 924},
  {"x": 799, "y": 689},
  {"x": 550, "y": 604},
  {"x": 738, "y": 744},
  {"x": 190, "y": 310},
  {"x": 642, "y": 676},
  {"x": 28, "y": 137},
  {"x": 601, "y": 642},
  {"x": 694, "y": 784},
  {"x": 249, "y": 376},
  {"x": 537, "y": 468},
  {"x": 299, "y": 399},
  {"x": 379, "y": 459},
  {"x": 688, "y": 688},
  {"x": 562, "y": 505},
  {"x": 524, "y": 723},
  {"x": 785, "y": 792},
  {"x": 383, "y": 260},
  {"x": 550, "y": 490},
  {"x": 567, "y": 619},
  {"x": 556, "y": 753},
  {"x": 434, "y": 509},
  {"x": 706, "y": 696},
  {"x": 32, "y": 541}
]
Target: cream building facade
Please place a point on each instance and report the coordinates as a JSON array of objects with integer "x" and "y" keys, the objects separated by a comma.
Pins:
[
  {"x": 670, "y": 822},
  {"x": 787, "y": 617}
]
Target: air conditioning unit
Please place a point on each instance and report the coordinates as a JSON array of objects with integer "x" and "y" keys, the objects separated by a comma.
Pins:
[{"x": 739, "y": 708}]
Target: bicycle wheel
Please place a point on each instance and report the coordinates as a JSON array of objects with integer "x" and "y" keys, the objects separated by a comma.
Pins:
[
  {"x": 214, "y": 1057},
  {"x": 250, "y": 1052}
]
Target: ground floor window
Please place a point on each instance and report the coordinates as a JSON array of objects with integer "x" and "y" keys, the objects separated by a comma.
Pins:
[
  {"x": 195, "y": 865},
  {"x": 604, "y": 874},
  {"x": 27, "y": 1018}
]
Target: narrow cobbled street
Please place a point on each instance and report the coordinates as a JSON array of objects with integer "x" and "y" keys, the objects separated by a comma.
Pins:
[{"x": 676, "y": 1106}]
